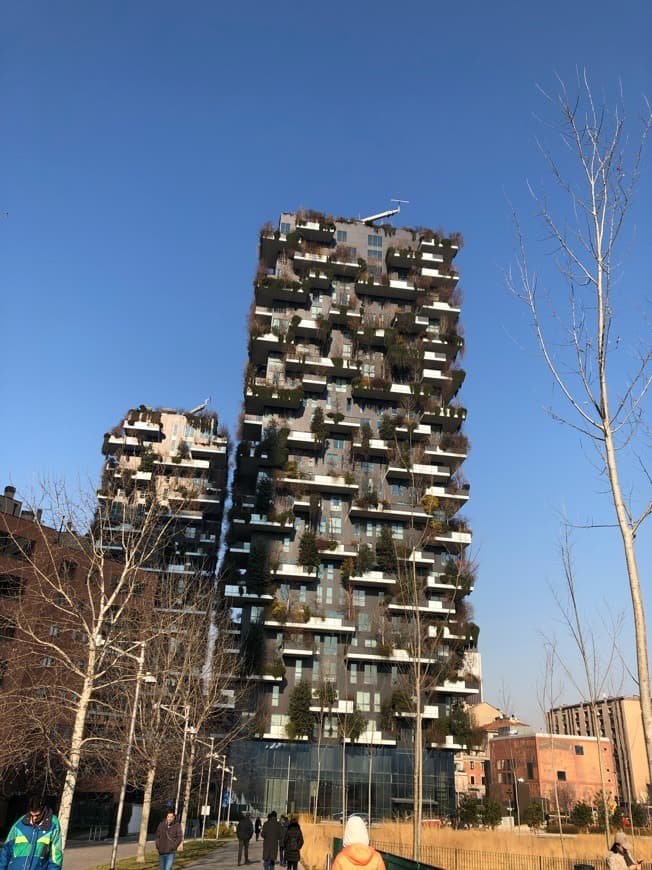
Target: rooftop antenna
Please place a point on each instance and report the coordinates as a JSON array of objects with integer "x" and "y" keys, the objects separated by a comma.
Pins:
[
  {"x": 200, "y": 407},
  {"x": 384, "y": 214}
]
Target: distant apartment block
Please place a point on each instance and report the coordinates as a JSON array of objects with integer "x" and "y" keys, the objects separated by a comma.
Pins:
[
  {"x": 549, "y": 768},
  {"x": 618, "y": 719}
]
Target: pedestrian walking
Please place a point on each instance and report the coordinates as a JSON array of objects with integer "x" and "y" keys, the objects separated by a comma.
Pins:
[
  {"x": 271, "y": 834},
  {"x": 292, "y": 843},
  {"x": 284, "y": 821},
  {"x": 357, "y": 854},
  {"x": 619, "y": 857},
  {"x": 168, "y": 838},
  {"x": 257, "y": 827},
  {"x": 34, "y": 841},
  {"x": 244, "y": 832}
]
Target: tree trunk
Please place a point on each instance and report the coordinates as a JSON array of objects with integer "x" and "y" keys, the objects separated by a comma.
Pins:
[
  {"x": 147, "y": 806},
  {"x": 74, "y": 755},
  {"x": 186, "y": 795}
]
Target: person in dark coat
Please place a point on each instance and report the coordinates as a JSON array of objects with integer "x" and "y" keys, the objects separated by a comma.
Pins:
[
  {"x": 271, "y": 834},
  {"x": 284, "y": 821},
  {"x": 168, "y": 838},
  {"x": 257, "y": 827},
  {"x": 292, "y": 843},
  {"x": 245, "y": 832}
]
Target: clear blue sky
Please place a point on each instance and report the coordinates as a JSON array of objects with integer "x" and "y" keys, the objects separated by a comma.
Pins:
[{"x": 144, "y": 144}]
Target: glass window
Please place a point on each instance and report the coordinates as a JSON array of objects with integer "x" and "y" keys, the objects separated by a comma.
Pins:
[
  {"x": 303, "y": 594},
  {"x": 341, "y": 235},
  {"x": 336, "y": 525},
  {"x": 329, "y": 595},
  {"x": 370, "y": 674},
  {"x": 298, "y": 668},
  {"x": 375, "y": 256},
  {"x": 275, "y": 695},
  {"x": 363, "y": 701},
  {"x": 353, "y": 673},
  {"x": 358, "y": 597},
  {"x": 336, "y": 504},
  {"x": 286, "y": 227},
  {"x": 375, "y": 241}
]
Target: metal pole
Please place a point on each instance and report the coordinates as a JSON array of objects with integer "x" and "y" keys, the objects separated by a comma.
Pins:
[
  {"x": 186, "y": 716},
  {"x": 208, "y": 785},
  {"x": 228, "y": 812},
  {"x": 125, "y": 769},
  {"x": 371, "y": 754},
  {"x": 518, "y": 809},
  {"x": 219, "y": 805}
]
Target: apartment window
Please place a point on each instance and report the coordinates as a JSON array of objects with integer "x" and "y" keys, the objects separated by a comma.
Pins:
[
  {"x": 67, "y": 569},
  {"x": 370, "y": 675},
  {"x": 337, "y": 444},
  {"x": 336, "y": 525},
  {"x": 363, "y": 701},
  {"x": 330, "y": 570},
  {"x": 472, "y": 765},
  {"x": 358, "y": 597},
  {"x": 375, "y": 241},
  {"x": 54, "y": 631},
  {"x": 561, "y": 775},
  {"x": 579, "y": 750},
  {"x": 530, "y": 770},
  {"x": 275, "y": 695},
  {"x": 298, "y": 668},
  {"x": 374, "y": 256},
  {"x": 364, "y": 621},
  {"x": 353, "y": 673},
  {"x": 341, "y": 235},
  {"x": 15, "y": 546},
  {"x": 286, "y": 227},
  {"x": 10, "y": 586},
  {"x": 472, "y": 780},
  {"x": 332, "y": 457},
  {"x": 329, "y": 595},
  {"x": 336, "y": 503},
  {"x": 47, "y": 661},
  {"x": 286, "y": 545},
  {"x": 397, "y": 531},
  {"x": 330, "y": 644}
]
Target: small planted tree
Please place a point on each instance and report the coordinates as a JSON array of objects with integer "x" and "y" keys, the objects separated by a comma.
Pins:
[{"x": 301, "y": 718}]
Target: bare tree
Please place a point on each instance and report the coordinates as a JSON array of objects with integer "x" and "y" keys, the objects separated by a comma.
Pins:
[
  {"x": 80, "y": 616},
  {"x": 576, "y": 324}
]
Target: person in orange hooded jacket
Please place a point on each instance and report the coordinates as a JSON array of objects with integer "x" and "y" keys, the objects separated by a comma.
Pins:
[{"x": 357, "y": 854}]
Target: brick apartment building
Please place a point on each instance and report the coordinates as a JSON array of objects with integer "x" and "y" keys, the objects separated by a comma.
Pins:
[{"x": 547, "y": 768}]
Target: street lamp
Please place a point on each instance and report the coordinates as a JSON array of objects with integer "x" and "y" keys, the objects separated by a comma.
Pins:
[
  {"x": 518, "y": 808},
  {"x": 222, "y": 760},
  {"x": 141, "y": 677},
  {"x": 231, "y": 771}
]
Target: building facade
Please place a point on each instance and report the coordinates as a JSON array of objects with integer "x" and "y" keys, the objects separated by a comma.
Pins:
[
  {"x": 549, "y": 768},
  {"x": 175, "y": 462},
  {"x": 618, "y": 719},
  {"x": 346, "y": 544}
]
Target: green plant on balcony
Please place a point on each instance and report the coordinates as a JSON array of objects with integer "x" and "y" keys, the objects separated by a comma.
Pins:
[
  {"x": 324, "y": 544},
  {"x": 264, "y": 494},
  {"x": 147, "y": 459},
  {"x": 349, "y": 478},
  {"x": 275, "y": 668},
  {"x": 335, "y": 416},
  {"x": 278, "y": 611},
  {"x": 337, "y": 361},
  {"x": 301, "y": 719},
  {"x": 347, "y": 570},
  {"x": 369, "y": 500},
  {"x": 318, "y": 425},
  {"x": 386, "y": 558},
  {"x": 273, "y": 449},
  {"x": 385, "y": 648},
  {"x": 308, "y": 552},
  {"x": 365, "y": 559},
  {"x": 291, "y": 468},
  {"x": 365, "y": 436},
  {"x": 252, "y": 649},
  {"x": 387, "y": 427}
]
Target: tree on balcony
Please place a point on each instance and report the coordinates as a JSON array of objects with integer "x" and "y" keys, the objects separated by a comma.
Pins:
[
  {"x": 301, "y": 719},
  {"x": 308, "y": 551}
]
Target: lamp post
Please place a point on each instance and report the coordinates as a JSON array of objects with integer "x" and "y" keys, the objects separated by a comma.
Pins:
[
  {"x": 231, "y": 771},
  {"x": 186, "y": 729},
  {"x": 222, "y": 760},
  {"x": 371, "y": 755},
  {"x": 518, "y": 808},
  {"x": 208, "y": 785},
  {"x": 141, "y": 677}
]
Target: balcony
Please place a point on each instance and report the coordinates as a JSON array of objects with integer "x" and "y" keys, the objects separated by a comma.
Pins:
[
  {"x": 419, "y": 469},
  {"x": 306, "y": 363},
  {"x": 345, "y": 268},
  {"x": 285, "y": 571},
  {"x": 394, "y": 289},
  {"x": 305, "y": 440},
  {"x": 343, "y": 315},
  {"x": 309, "y": 260},
  {"x": 372, "y": 578},
  {"x": 235, "y": 594},
  {"x": 323, "y": 483},
  {"x": 317, "y": 231},
  {"x": 273, "y": 396},
  {"x": 318, "y": 279},
  {"x": 341, "y": 706},
  {"x": 293, "y": 650},
  {"x": 316, "y": 625},
  {"x": 144, "y": 427},
  {"x": 432, "y": 359},
  {"x": 314, "y": 383},
  {"x": 433, "y": 608},
  {"x": 262, "y": 345},
  {"x": 449, "y": 416},
  {"x": 270, "y": 289},
  {"x": 373, "y": 447},
  {"x": 260, "y": 523}
]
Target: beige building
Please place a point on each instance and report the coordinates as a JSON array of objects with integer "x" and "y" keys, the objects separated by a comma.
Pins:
[{"x": 619, "y": 719}]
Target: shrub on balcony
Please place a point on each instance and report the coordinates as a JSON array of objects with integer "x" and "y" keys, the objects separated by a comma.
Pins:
[
  {"x": 278, "y": 610},
  {"x": 301, "y": 720},
  {"x": 276, "y": 668},
  {"x": 387, "y": 427},
  {"x": 324, "y": 544},
  {"x": 386, "y": 552},
  {"x": 365, "y": 560},
  {"x": 335, "y": 416},
  {"x": 308, "y": 551},
  {"x": 318, "y": 425}
]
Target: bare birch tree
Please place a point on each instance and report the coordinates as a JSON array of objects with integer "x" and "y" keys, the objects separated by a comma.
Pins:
[
  {"x": 81, "y": 615},
  {"x": 576, "y": 321}
]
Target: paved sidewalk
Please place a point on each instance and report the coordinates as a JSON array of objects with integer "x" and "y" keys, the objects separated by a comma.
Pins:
[{"x": 82, "y": 856}]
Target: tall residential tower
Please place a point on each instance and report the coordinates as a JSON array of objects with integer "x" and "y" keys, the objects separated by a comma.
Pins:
[{"x": 346, "y": 545}]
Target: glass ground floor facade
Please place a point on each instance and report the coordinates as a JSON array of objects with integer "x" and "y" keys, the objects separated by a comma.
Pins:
[{"x": 289, "y": 778}]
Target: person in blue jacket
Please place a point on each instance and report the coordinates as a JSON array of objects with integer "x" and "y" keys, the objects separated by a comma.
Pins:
[{"x": 34, "y": 841}]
